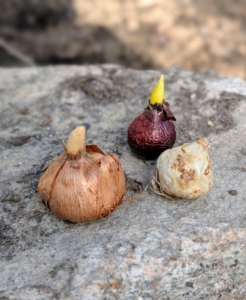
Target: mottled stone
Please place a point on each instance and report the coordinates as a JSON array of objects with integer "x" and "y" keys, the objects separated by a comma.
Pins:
[{"x": 150, "y": 247}]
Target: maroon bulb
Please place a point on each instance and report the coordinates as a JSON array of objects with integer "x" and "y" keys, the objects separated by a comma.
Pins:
[{"x": 152, "y": 132}]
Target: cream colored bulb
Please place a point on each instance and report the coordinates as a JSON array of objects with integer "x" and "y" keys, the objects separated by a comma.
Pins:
[{"x": 185, "y": 171}]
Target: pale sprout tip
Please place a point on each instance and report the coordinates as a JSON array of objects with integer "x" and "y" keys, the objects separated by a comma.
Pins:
[{"x": 76, "y": 140}]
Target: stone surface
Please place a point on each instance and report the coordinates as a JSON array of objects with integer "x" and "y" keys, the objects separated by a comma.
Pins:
[{"x": 150, "y": 248}]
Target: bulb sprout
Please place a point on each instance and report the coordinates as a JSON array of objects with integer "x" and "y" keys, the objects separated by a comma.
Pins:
[
  {"x": 158, "y": 92},
  {"x": 76, "y": 141}
]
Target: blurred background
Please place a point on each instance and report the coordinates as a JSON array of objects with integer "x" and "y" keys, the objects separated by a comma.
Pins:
[{"x": 197, "y": 35}]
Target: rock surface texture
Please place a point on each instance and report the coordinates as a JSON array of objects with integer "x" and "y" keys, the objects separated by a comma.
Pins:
[{"x": 149, "y": 248}]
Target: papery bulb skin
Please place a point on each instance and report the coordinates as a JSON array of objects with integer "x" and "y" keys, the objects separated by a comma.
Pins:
[
  {"x": 82, "y": 184},
  {"x": 152, "y": 132},
  {"x": 185, "y": 172}
]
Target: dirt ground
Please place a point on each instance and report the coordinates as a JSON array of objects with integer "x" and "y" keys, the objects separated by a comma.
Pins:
[{"x": 197, "y": 35}]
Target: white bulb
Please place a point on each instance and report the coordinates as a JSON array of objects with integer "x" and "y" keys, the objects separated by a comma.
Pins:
[{"x": 185, "y": 171}]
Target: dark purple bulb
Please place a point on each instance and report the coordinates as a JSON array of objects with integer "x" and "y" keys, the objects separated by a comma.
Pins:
[{"x": 152, "y": 132}]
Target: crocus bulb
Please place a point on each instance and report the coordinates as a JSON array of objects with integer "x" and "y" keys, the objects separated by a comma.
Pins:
[
  {"x": 83, "y": 183},
  {"x": 185, "y": 171},
  {"x": 153, "y": 131}
]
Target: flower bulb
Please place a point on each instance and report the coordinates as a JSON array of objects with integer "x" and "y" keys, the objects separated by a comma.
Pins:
[
  {"x": 186, "y": 171},
  {"x": 83, "y": 183},
  {"x": 153, "y": 131}
]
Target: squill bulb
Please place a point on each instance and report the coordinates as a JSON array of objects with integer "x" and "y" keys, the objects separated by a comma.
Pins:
[
  {"x": 153, "y": 131},
  {"x": 185, "y": 171},
  {"x": 83, "y": 183}
]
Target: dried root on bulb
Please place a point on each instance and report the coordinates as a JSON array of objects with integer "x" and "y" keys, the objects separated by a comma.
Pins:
[{"x": 155, "y": 185}]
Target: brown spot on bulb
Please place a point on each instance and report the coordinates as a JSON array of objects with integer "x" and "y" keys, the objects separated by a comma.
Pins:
[
  {"x": 187, "y": 175},
  {"x": 207, "y": 170}
]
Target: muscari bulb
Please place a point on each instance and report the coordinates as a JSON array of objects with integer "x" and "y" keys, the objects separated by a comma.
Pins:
[
  {"x": 83, "y": 183},
  {"x": 153, "y": 131}
]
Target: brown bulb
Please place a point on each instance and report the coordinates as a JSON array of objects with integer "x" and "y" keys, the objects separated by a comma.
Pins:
[{"x": 83, "y": 183}]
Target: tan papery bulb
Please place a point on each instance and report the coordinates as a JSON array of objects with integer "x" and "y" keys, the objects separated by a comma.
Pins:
[
  {"x": 83, "y": 183},
  {"x": 185, "y": 171}
]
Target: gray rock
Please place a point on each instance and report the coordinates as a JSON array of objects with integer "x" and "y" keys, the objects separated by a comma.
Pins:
[{"x": 150, "y": 248}]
